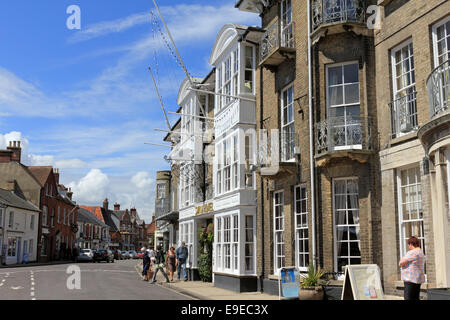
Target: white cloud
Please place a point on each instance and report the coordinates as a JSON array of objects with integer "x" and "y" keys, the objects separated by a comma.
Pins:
[
  {"x": 142, "y": 180},
  {"x": 70, "y": 164},
  {"x": 91, "y": 188},
  {"x": 137, "y": 191},
  {"x": 107, "y": 27}
]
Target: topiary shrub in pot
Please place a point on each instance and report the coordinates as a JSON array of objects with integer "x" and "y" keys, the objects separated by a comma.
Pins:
[{"x": 311, "y": 284}]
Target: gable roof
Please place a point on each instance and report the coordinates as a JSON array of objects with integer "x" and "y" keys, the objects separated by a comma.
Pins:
[
  {"x": 10, "y": 199},
  {"x": 87, "y": 217},
  {"x": 41, "y": 173},
  {"x": 96, "y": 211}
]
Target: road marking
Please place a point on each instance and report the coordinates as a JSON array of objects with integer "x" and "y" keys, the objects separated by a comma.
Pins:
[
  {"x": 32, "y": 294},
  {"x": 17, "y": 288}
]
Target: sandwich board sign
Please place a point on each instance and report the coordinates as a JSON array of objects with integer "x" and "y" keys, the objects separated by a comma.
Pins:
[
  {"x": 362, "y": 282},
  {"x": 289, "y": 283}
]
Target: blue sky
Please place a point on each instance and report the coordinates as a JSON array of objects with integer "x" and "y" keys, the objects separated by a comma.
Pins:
[{"x": 83, "y": 100}]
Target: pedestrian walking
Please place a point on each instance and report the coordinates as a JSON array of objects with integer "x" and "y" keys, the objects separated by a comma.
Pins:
[
  {"x": 413, "y": 269},
  {"x": 159, "y": 261},
  {"x": 181, "y": 258},
  {"x": 145, "y": 263},
  {"x": 171, "y": 262}
]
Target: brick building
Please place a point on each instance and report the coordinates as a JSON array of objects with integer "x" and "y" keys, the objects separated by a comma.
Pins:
[
  {"x": 337, "y": 151},
  {"x": 412, "y": 53}
]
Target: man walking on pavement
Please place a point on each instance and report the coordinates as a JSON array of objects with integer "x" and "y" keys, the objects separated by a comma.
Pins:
[
  {"x": 181, "y": 255},
  {"x": 159, "y": 264}
]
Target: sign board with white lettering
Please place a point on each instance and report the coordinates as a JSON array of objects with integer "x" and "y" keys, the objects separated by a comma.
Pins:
[
  {"x": 362, "y": 282},
  {"x": 289, "y": 283}
]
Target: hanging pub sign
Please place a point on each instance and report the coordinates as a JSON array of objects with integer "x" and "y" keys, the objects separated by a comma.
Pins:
[
  {"x": 362, "y": 282},
  {"x": 289, "y": 283}
]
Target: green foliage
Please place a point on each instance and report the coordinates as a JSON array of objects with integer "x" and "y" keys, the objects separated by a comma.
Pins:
[
  {"x": 313, "y": 278},
  {"x": 205, "y": 267},
  {"x": 206, "y": 239}
]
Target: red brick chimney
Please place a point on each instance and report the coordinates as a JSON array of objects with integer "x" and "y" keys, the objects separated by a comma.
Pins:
[
  {"x": 14, "y": 146},
  {"x": 116, "y": 206},
  {"x": 105, "y": 204}
]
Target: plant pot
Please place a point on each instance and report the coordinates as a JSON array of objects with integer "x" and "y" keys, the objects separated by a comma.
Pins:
[
  {"x": 438, "y": 294},
  {"x": 310, "y": 293}
]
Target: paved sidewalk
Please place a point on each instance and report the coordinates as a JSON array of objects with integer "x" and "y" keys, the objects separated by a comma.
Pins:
[{"x": 204, "y": 290}]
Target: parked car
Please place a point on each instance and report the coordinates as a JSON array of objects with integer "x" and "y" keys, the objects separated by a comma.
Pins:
[
  {"x": 118, "y": 255},
  {"x": 140, "y": 255},
  {"x": 103, "y": 255},
  {"x": 133, "y": 254},
  {"x": 125, "y": 255},
  {"x": 85, "y": 255}
]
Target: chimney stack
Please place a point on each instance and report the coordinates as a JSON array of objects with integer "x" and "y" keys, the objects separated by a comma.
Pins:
[
  {"x": 116, "y": 206},
  {"x": 133, "y": 212},
  {"x": 105, "y": 204},
  {"x": 14, "y": 146},
  {"x": 56, "y": 173},
  {"x": 70, "y": 193}
]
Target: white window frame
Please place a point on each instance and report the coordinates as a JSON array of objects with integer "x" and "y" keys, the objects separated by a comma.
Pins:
[
  {"x": 251, "y": 243},
  {"x": 401, "y": 222},
  {"x": 276, "y": 254},
  {"x": 287, "y": 141},
  {"x": 408, "y": 90},
  {"x": 335, "y": 226},
  {"x": 299, "y": 215},
  {"x": 161, "y": 190},
  {"x": 435, "y": 42},
  {"x": 249, "y": 69},
  {"x": 344, "y": 104},
  {"x": 287, "y": 32}
]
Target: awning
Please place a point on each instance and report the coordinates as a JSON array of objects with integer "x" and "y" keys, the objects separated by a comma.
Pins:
[{"x": 170, "y": 217}]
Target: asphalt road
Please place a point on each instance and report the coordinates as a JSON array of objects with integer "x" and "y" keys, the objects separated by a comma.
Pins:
[{"x": 97, "y": 281}]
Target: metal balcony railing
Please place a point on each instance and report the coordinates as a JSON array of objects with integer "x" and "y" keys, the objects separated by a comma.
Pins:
[
  {"x": 276, "y": 37},
  {"x": 404, "y": 114},
  {"x": 438, "y": 84},
  {"x": 337, "y": 11},
  {"x": 344, "y": 133},
  {"x": 162, "y": 209},
  {"x": 277, "y": 146}
]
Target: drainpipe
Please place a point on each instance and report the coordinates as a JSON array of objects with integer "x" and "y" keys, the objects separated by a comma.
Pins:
[
  {"x": 311, "y": 140},
  {"x": 261, "y": 107}
]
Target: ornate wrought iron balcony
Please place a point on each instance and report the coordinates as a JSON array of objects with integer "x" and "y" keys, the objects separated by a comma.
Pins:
[
  {"x": 404, "y": 114},
  {"x": 277, "y": 43},
  {"x": 337, "y": 11},
  {"x": 438, "y": 84},
  {"x": 343, "y": 134}
]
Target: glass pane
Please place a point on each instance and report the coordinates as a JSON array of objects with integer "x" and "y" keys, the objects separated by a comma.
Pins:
[
  {"x": 334, "y": 75},
  {"x": 351, "y": 73},
  {"x": 336, "y": 96},
  {"x": 354, "y": 233},
  {"x": 353, "y": 217},
  {"x": 354, "y": 249},
  {"x": 352, "y": 93},
  {"x": 342, "y": 248}
]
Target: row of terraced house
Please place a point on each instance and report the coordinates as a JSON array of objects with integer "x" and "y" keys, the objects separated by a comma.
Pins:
[
  {"x": 320, "y": 137},
  {"x": 40, "y": 222}
]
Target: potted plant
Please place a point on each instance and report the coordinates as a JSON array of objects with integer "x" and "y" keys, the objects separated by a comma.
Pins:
[{"x": 311, "y": 284}]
